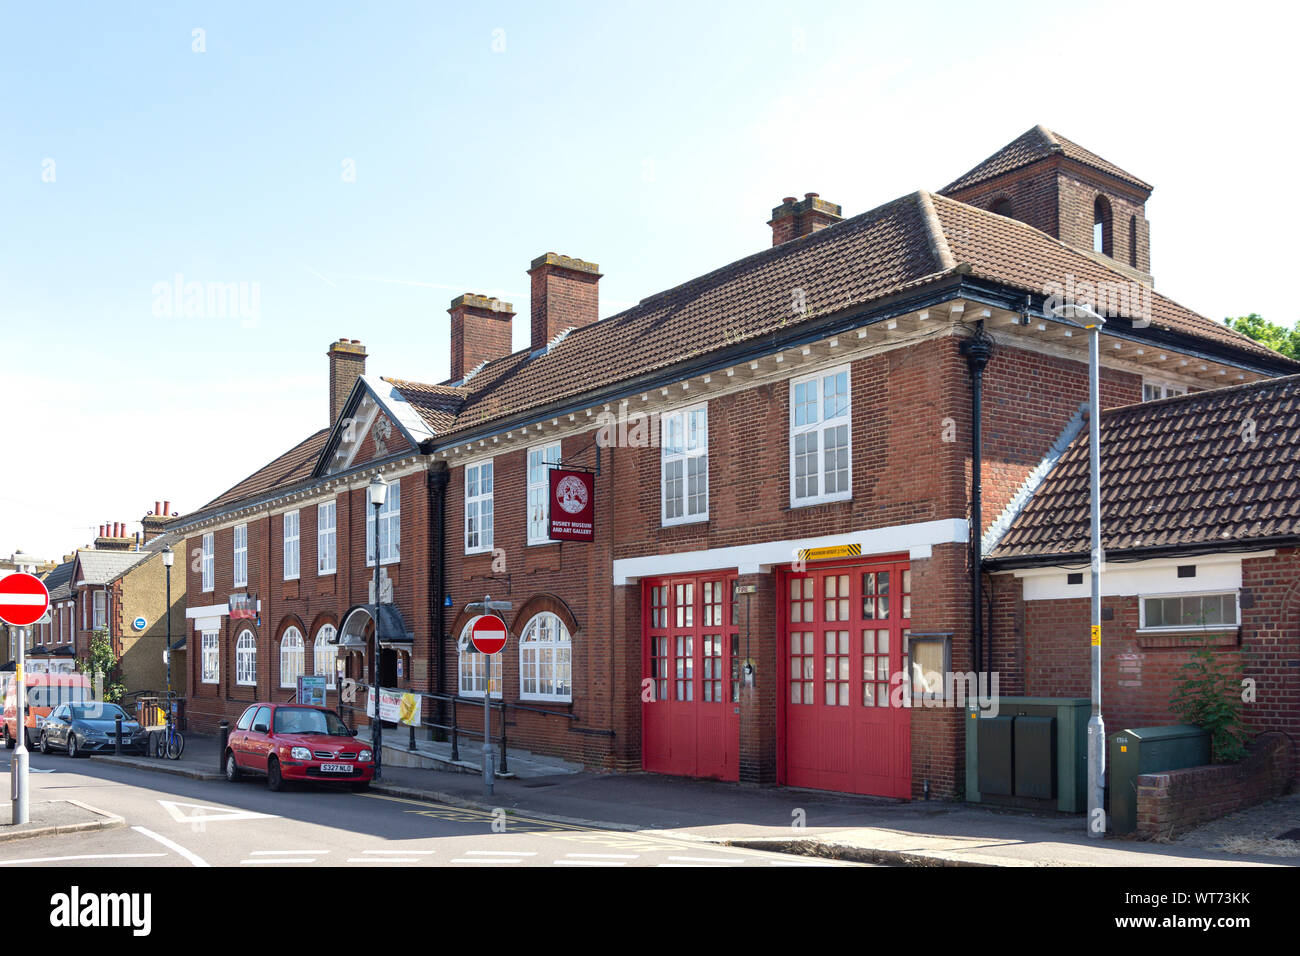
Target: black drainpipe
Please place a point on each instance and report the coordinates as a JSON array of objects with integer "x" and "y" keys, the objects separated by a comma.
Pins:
[
  {"x": 978, "y": 349},
  {"x": 438, "y": 570}
]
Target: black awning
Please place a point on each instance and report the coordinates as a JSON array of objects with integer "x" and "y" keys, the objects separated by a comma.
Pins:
[{"x": 392, "y": 627}]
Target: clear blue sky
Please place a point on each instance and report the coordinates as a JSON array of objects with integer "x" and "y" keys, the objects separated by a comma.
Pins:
[{"x": 653, "y": 139}]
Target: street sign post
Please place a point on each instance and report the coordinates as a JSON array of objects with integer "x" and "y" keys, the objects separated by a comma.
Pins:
[
  {"x": 23, "y": 601},
  {"x": 488, "y": 636}
]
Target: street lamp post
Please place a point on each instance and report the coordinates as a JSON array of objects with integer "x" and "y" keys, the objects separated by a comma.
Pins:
[
  {"x": 169, "y": 558},
  {"x": 378, "y": 495},
  {"x": 1093, "y": 322}
]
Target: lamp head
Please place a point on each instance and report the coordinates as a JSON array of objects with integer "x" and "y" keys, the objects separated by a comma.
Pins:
[{"x": 378, "y": 491}]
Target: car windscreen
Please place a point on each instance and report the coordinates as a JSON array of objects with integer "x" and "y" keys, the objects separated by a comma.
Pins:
[
  {"x": 52, "y": 695},
  {"x": 308, "y": 720},
  {"x": 96, "y": 711}
]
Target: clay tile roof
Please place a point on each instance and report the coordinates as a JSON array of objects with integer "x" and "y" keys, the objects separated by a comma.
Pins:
[
  {"x": 1178, "y": 472},
  {"x": 293, "y": 466},
  {"x": 1018, "y": 255},
  {"x": 1030, "y": 147},
  {"x": 849, "y": 264},
  {"x": 436, "y": 404}
]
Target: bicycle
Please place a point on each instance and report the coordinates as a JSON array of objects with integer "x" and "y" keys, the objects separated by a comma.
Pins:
[{"x": 170, "y": 742}]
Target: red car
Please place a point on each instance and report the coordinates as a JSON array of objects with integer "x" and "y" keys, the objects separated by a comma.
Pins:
[{"x": 296, "y": 742}]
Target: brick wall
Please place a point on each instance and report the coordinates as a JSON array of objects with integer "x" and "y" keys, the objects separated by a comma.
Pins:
[{"x": 1175, "y": 801}]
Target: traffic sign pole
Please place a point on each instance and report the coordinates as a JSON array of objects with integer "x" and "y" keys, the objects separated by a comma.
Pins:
[
  {"x": 23, "y": 601},
  {"x": 488, "y": 636},
  {"x": 19, "y": 767}
]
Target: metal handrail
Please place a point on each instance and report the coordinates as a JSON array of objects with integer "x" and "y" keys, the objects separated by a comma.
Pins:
[{"x": 454, "y": 727}]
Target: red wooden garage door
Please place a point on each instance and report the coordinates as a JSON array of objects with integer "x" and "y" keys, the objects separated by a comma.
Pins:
[
  {"x": 844, "y": 629},
  {"x": 689, "y": 720}
]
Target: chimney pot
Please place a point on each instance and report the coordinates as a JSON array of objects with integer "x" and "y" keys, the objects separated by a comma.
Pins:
[{"x": 794, "y": 219}]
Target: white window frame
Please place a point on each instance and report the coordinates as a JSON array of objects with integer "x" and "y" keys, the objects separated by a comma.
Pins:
[
  {"x": 207, "y": 562},
  {"x": 537, "y": 656},
  {"x": 684, "y": 442},
  {"x": 210, "y": 660},
  {"x": 818, "y": 425},
  {"x": 290, "y": 546},
  {"x": 327, "y": 524},
  {"x": 471, "y": 668},
  {"x": 538, "y": 500},
  {"x": 246, "y": 659},
  {"x": 390, "y": 517},
  {"x": 293, "y": 657},
  {"x": 1205, "y": 628},
  {"x": 323, "y": 643},
  {"x": 1167, "y": 389},
  {"x": 479, "y": 506},
  {"x": 239, "y": 572},
  {"x": 99, "y": 612}
]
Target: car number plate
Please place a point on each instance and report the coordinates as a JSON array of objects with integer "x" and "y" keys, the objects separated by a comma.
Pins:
[{"x": 336, "y": 768}]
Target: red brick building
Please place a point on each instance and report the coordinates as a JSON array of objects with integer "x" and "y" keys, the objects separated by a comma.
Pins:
[{"x": 797, "y": 425}]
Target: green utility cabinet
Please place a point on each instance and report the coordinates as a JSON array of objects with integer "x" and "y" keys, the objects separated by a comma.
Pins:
[
  {"x": 1032, "y": 753},
  {"x": 1131, "y": 753}
]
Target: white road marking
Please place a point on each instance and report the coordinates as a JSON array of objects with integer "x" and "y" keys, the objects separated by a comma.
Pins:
[
  {"x": 173, "y": 845},
  {"x": 400, "y": 852},
  {"x": 283, "y": 852},
  {"x": 209, "y": 814},
  {"x": 500, "y": 853},
  {"x": 606, "y": 856},
  {"x": 489, "y": 859},
  {"x": 590, "y": 863},
  {"x": 708, "y": 859},
  {"x": 274, "y": 860},
  {"x": 703, "y": 866},
  {"x": 87, "y": 856},
  {"x": 383, "y": 859}
]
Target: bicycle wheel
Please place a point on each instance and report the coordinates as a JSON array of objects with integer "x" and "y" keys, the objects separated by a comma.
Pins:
[{"x": 176, "y": 745}]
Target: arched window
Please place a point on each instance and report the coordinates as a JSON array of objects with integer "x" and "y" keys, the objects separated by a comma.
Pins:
[
  {"x": 473, "y": 668},
  {"x": 1102, "y": 240},
  {"x": 1003, "y": 207},
  {"x": 545, "y": 659},
  {"x": 325, "y": 652},
  {"x": 246, "y": 660},
  {"x": 291, "y": 657},
  {"x": 1133, "y": 241}
]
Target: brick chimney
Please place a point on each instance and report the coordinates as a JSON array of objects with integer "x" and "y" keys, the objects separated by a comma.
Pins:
[
  {"x": 480, "y": 331},
  {"x": 347, "y": 364},
  {"x": 795, "y": 219},
  {"x": 153, "y": 522},
  {"x": 564, "y": 295}
]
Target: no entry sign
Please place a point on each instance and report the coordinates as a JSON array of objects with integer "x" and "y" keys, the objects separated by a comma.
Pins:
[
  {"x": 488, "y": 633},
  {"x": 23, "y": 600}
]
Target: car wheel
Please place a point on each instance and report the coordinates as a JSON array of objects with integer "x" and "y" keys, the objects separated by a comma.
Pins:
[
  {"x": 45, "y": 744},
  {"x": 361, "y": 786},
  {"x": 72, "y": 746},
  {"x": 232, "y": 767},
  {"x": 274, "y": 779},
  {"x": 9, "y": 741},
  {"x": 27, "y": 739}
]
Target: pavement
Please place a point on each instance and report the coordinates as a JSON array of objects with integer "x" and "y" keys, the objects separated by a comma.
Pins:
[
  {"x": 50, "y": 817},
  {"x": 787, "y": 820}
]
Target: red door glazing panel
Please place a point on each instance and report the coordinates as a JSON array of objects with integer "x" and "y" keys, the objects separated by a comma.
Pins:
[
  {"x": 689, "y": 722},
  {"x": 843, "y": 640}
]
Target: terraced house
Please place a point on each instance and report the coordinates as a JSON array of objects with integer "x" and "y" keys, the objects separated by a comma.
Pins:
[{"x": 787, "y": 456}]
